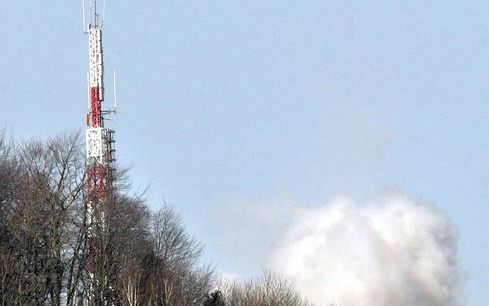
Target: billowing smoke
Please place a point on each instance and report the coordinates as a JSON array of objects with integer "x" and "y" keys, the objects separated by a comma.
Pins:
[{"x": 392, "y": 251}]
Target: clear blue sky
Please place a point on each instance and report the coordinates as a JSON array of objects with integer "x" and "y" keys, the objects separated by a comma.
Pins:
[{"x": 273, "y": 101}]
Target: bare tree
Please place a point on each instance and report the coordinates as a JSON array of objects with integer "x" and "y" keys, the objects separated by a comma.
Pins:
[
  {"x": 143, "y": 257},
  {"x": 214, "y": 298},
  {"x": 129, "y": 236},
  {"x": 172, "y": 274},
  {"x": 146, "y": 258},
  {"x": 269, "y": 290},
  {"x": 38, "y": 210},
  {"x": 9, "y": 172}
]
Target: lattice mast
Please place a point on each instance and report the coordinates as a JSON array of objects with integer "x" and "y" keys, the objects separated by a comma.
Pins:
[
  {"x": 99, "y": 147},
  {"x": 99, "y": 139}
]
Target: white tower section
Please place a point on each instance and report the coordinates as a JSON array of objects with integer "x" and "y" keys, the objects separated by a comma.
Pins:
[{"x": 96, "y": 71}]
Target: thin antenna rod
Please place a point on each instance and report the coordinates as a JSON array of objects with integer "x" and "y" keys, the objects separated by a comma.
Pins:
[
  {"x": 103, "y": 13},
  {"x": 115, "y": 93},
  {"x": 84, "y": 20},
  {"x": 95, "y": 12}
]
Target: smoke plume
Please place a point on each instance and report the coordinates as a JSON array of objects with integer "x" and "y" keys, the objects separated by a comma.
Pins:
[{"x": 393, "y": 251}]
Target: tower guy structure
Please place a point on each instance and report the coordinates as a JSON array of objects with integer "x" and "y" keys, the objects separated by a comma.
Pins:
[{"x": 99, "y": 163}]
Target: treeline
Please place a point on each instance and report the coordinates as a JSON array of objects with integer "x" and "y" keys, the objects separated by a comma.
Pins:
[{"x": 145, "y": 257}]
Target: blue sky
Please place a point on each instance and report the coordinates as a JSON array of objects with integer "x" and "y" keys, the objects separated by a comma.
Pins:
[{"x": 258, "y": 102}]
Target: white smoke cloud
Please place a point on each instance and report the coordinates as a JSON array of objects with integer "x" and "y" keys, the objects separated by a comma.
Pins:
[{"x": 392, "y": 251}]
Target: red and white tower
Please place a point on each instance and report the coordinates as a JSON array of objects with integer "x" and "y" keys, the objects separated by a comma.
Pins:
[
  {"x": 99, "y": 151},
  {"x": 99, "y": 139}
]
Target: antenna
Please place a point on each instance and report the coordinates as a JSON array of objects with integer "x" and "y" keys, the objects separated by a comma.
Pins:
[
  {"x": 95, "y": 16},
  {"x": 103, "y": 13},
  {"x": 84, "y": 20},
  {"x": 100, "y": 168},
  {"x": 115, "y": 93}
]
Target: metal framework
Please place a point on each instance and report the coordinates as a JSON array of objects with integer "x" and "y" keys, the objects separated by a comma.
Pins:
[
  {"x": 99, "y": 139},
  {"x": 99, "y": 146}
]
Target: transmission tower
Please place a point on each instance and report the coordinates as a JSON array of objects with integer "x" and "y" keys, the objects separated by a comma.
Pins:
[{"x": 99, "y": 160}]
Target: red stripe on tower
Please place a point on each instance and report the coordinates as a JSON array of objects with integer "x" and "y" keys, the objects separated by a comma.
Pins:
[{"x": 96, "y": 107}]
